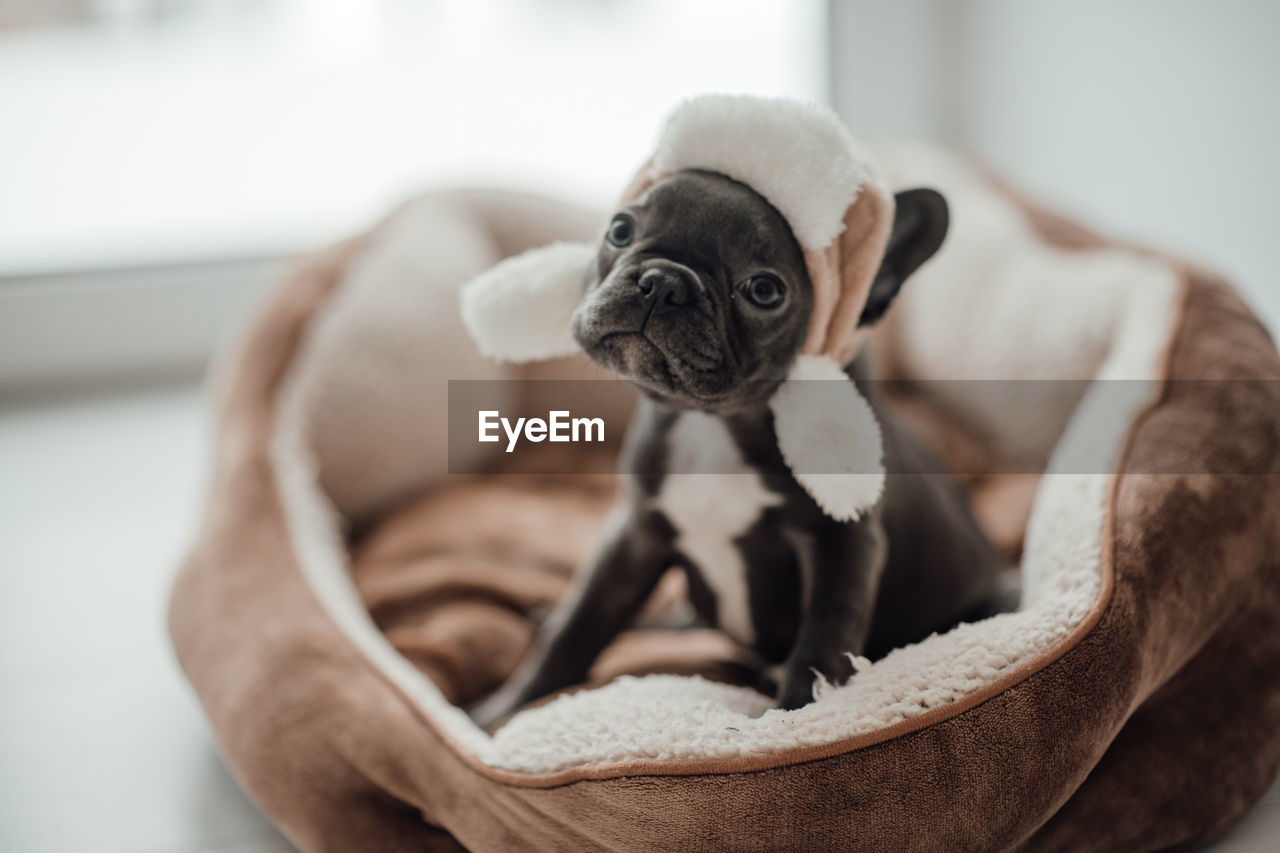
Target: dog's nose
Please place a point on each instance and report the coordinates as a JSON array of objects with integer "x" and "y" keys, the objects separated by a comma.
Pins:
[{"x": 663, "y": 290}]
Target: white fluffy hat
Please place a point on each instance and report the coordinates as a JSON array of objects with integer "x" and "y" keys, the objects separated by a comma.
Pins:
[{"x": 804, "y": 162}]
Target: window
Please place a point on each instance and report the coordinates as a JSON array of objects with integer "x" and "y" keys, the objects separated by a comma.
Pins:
[{"x": 141, "y": 133}]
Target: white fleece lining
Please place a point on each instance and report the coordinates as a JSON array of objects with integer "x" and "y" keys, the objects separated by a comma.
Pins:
[
  {"x": 800, "y": 157},
  {"x": 665, "y": 717}
]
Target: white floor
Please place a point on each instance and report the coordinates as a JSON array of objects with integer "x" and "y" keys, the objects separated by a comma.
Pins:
[{"x": 102, "y": 746}]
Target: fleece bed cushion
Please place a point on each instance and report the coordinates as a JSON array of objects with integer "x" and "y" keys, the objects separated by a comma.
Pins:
[{"x": 345, "y": 592}]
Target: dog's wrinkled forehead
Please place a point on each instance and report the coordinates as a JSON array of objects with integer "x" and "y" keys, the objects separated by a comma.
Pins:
[{"x": 709, "y": 221}]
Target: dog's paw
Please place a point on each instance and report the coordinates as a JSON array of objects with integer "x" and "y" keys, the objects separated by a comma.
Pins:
[
  {"x": 803, "y": 683},
  {"x": 797, "y": 690}
]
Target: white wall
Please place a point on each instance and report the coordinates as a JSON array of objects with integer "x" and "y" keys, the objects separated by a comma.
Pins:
[{"x": 1156, "y": 118}]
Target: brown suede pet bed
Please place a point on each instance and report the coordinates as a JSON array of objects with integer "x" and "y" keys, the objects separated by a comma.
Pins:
[{"x": 346, "y": 593}]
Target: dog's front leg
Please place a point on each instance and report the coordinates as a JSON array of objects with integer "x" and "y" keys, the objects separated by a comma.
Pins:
[
  {"x": 604, "y": 598},
  {"x": 841, "y": 575}
]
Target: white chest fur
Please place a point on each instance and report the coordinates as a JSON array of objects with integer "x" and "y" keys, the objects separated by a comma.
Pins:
[{"x": 713, "y": 499}]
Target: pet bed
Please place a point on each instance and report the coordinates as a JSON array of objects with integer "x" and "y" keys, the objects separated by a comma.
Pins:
[{"x": 346, "y": 594}]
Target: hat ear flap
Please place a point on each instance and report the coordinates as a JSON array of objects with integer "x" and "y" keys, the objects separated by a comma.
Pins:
[
  {"x": 843, "y": 273},
  {"x": 522, "y": 308},
  {"x": 829, "y": 437}
]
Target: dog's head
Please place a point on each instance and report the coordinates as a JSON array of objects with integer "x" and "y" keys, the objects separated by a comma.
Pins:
[
  {"x": 700, "y": 295},
  {"x": 751, "y": 250}
]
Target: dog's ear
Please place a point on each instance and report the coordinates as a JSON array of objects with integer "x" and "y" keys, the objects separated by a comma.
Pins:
[{"x": 919, "y": 226}]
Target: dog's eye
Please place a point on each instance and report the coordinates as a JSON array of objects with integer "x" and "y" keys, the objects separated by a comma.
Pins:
[
  {"x": 764, "y": 291},
  {"x": 621, "y": 231}
]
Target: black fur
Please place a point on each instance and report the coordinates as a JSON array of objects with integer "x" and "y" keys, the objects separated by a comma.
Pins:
[{"x": 818, "y": 589}]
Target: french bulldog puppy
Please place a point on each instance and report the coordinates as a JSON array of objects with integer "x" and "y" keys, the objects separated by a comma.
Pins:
[{"x": 700, "y": 297}]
